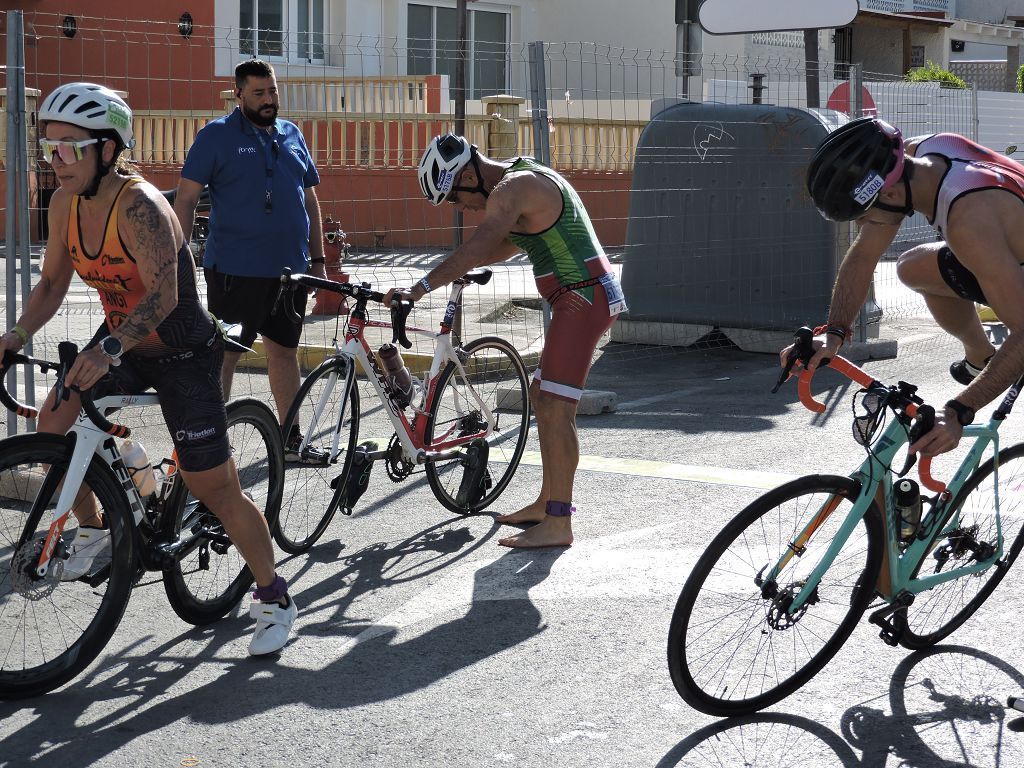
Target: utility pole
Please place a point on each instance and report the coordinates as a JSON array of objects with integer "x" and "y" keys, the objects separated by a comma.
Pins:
[{"x": 459, "y": 90}]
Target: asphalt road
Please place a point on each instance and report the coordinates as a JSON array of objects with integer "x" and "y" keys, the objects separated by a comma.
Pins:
[{"x": 421, "y": 642}]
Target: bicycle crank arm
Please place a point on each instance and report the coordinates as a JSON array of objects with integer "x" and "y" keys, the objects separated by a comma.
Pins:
[
  {"x": 167, "y": 555},
  {"x": 892, "y": 618}
]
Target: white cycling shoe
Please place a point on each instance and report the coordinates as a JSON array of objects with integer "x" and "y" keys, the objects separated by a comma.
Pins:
[
  {"x": 273, "y": 626},
  {"x": 89, "y": 544}
]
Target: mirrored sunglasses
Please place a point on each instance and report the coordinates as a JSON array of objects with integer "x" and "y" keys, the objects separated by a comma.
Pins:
[{"x": 69, "y": 152}]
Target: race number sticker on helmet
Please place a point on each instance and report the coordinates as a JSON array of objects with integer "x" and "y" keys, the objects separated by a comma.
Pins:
[
  {"x": 445, "y": 179},
  {"x": 118, "y": 117},
  {"x": 868, "y": 188}
]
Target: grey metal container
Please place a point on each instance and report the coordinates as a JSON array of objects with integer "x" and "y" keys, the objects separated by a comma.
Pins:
[{"x": 721, "y": 231}]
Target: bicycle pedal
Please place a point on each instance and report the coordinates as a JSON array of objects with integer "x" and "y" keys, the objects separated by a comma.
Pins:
[
  {"x": 892, "y": 619},
  {"x": 358, "y": 475},
  {"x": 476, "y": 478}
]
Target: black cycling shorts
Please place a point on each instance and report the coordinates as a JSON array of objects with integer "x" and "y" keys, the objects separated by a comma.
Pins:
[
  {"x": 191, "y": 398},
  {"x": 958, "y": 277},
  {"x": 250, "y": 301}
]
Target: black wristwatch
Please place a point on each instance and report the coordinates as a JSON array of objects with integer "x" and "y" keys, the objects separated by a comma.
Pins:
[
  {"x": 112, "y": 348},
  {"x": 964, "y": 414}
]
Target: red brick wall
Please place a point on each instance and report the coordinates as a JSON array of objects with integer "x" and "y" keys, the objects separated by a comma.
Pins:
[{"x": 149, "y": 59}]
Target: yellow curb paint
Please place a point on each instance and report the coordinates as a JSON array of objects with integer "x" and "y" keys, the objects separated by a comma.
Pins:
[{"x": 311, "y": 355}]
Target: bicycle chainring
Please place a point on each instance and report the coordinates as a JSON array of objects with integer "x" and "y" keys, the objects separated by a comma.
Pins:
[
  {"x": 397, "y": 466},
  {"x": 24, "y": 580},
  {"x": 778, "y": 615}
]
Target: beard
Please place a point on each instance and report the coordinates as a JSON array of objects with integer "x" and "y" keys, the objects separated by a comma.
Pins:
[{"x": 260, "y": 117}]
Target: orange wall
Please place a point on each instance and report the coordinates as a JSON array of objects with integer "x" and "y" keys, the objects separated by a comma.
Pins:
[{"x": 149, "y": 59}]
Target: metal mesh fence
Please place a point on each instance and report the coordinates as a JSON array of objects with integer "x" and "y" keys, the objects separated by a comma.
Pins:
[{"x": 367, "y": 120}]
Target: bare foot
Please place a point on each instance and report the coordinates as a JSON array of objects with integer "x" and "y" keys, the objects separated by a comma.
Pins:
[
  {"x": 532, "y": 513},
  {"x": 550, "y": 532}
]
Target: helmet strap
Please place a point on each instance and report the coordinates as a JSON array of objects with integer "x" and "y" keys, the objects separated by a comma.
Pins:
[
  {"x": 479, "y": 188},
  {"x": 102, "y": 169},
  {"x": 907, "y": 209}
]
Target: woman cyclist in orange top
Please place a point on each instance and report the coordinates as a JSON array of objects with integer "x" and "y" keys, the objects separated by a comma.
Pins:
[{"x": 122, "y": 238}]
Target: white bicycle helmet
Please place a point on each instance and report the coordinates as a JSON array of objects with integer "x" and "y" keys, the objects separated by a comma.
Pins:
[
  {"x": 441, "y": 163},
  {"x": 90, "y": 106}
]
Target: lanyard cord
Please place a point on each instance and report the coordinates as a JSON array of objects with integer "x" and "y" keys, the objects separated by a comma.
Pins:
[{"x": 270, "y": 151}]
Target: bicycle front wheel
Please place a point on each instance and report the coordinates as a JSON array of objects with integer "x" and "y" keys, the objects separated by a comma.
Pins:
[
  {"x": 496, "y": 374},
  {"x": 970, "y": 535},
  {"x": 211, "y": 577},
  {"x": 734, "y": 645},
  {"x": 50, "y": 630},
  {"x": 321, "y": 415}
]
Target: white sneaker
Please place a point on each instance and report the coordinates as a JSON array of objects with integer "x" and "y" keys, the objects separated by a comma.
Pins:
[
  {"x": 89, "y": 544},
  {"x": 273, "y": 626}
]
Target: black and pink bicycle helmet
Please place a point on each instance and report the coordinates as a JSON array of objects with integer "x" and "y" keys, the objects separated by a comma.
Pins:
[{"x": 852, "y": 166}]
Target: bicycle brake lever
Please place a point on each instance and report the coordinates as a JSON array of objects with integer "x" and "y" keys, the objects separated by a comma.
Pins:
[
  {"x": 803, "y": 350},
  {"x": 67, "y": 351},
  {"x": 399, "y": 312},
  {"x": 922, "y": 426},
  {"x": 286, "y": 275}
]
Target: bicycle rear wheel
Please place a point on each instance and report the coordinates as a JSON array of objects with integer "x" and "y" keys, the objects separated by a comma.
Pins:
[
  {"x": 970, "y": 535},
  {"x": 211, "y": 577},
  {"x": 496, "y": 372},
  {"x": 50, "y": 630},
  {"x": 320, "y": 414},
  {"x": 734, "y": 647}
]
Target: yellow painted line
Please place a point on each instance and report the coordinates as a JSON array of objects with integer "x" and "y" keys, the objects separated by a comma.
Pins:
[
  {"x": 743, "y": 478},
  {"x": 697, "y": 474}
]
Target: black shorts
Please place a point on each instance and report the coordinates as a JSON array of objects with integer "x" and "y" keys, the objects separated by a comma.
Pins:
[
  {"x": 250, "y": 301},
  {"x": 958, "y": 277},
  {"x": 191, "y": 398}
]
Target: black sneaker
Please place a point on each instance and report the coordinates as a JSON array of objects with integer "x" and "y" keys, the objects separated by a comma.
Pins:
[
  {"x": 293, "y": 453},
  {"x": 964, "y": 372}
]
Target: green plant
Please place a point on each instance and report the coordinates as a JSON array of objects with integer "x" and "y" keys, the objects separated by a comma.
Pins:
[
  {"x": 932, "y": 72},
  {"x": 1020, "y": 79}
]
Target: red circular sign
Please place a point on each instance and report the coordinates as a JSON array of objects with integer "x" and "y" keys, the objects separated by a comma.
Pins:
[{"x": 840, "y": 100}]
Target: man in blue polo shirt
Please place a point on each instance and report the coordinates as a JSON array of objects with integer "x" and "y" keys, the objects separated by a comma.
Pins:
[{"x": 265, "y": 216}]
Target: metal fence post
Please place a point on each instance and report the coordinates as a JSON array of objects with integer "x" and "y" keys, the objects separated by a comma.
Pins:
[
  {"x": 541, "y": 131},
  {"x": 18, "y": 251}
]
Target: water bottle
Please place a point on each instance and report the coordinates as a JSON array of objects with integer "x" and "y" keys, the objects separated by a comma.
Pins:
[
  {"x": 906, "y": 496},
  {"x": 398, "y": 375},
  {"x": 141, "y": 470}
]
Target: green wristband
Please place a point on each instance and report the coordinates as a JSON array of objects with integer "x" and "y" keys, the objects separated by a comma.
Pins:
[{"x": 21, "y": 333}]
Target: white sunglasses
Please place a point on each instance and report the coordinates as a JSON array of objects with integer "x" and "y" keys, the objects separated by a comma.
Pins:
[{"x": 69, "y": 152}]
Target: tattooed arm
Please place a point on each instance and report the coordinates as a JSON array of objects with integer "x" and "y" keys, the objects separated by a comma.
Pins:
[{"x": 148, "y": 227}]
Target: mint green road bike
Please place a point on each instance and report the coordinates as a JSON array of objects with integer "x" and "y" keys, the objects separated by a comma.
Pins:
[{"x": 777, "y": 592}]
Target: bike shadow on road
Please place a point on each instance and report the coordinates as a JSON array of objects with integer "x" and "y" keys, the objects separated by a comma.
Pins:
[
  {"x": 139, "y": 689},
  {"x": 945, "y": 710}
]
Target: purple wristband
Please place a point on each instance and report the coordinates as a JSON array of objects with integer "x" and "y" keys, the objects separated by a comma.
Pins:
[
  {"x": 277, "y": 589},
  {"x": 560, "y": 508}
]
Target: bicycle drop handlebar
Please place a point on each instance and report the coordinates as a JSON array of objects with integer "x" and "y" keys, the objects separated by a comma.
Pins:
[
  {"x": 400, "y": 309},
  {"x": 67, "y": 352},
  {"x": 914, "y": 407}
]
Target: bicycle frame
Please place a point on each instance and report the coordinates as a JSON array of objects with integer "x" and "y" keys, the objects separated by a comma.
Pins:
[
  {"x": 411, "y": 435},
  {"x": 89, "y": 440},
  {"x": 874, "y": 474}
]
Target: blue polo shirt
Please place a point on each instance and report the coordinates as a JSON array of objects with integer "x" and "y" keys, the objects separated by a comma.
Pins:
[{"x": 258, "y": 220}]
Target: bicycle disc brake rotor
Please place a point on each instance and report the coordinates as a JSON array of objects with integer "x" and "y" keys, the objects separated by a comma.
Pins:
[
  {"x": 778, "y": 615},
  {"x": 24, "y": 580}
]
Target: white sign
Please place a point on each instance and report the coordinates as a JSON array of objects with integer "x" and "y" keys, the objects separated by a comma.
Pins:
[{"x": 731, "y": 17}]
